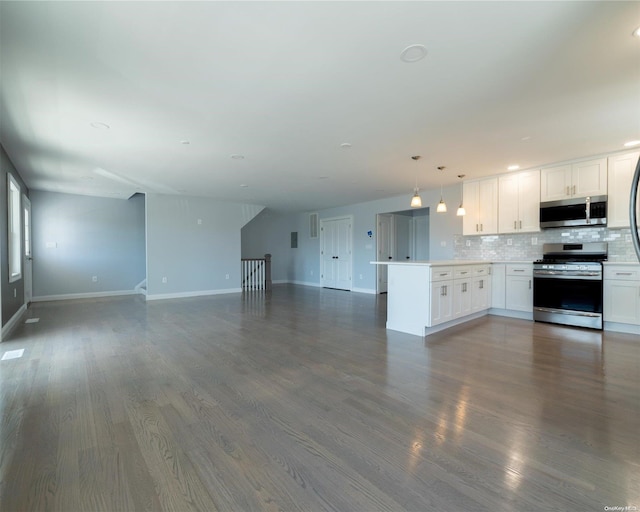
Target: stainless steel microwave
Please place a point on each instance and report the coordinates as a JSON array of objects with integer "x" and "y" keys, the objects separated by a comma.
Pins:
[{"x": 583, "y": 211}]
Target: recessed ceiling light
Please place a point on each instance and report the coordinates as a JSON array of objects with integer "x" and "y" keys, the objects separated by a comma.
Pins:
[
  {"x": 631, "y": 143},
  {"x": 413, "y": 53},
  {"x": 185, "y": 142},
  {"x": 100, "y": 126},
  {"x": 636, "y": 32},
  {"x": 237, "y": 157},
  {"x": 345, "y": 145},
  {"x": 323, "y": 177},
  {"x": 244, "y": 186},
  {"x": 513, "y": 167},
  {"x": 526, "y": 139}
]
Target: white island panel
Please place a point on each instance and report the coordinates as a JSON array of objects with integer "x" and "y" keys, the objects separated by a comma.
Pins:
[{"x": 408, "y": 298}]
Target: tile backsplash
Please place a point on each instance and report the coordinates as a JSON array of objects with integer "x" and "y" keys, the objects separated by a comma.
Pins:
[{"x": 528, "y": 247}]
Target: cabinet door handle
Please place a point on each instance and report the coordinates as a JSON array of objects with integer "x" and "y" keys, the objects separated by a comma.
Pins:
[
  {"x": 477, "y": 228},
  {"x": 623, "y": 273},
  {"x": 573, "y": 190},
  {"x": 481, "y": 284},
  {"x": 520, "y": 224},
  {"x": 518, "y": 270},
  {"x": 445, "y": 290},
  {"x": 568, "y": 191},
  {"x": 529, "y": 284},
  {"x": 481, "y": 228},
  {"x": 514, "y": 224}
]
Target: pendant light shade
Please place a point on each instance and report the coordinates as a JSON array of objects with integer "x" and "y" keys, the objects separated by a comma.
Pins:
[{"x": 416, "y": 200}]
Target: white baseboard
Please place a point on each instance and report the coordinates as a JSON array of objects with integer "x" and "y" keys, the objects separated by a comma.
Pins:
[
  {"x": 199, "y": 293},
  {"x": 13, "y": 322},
  {"x": 522, "y": 315},
  {"x": 90, "y": 295},
  {"x": 624, "y": 328},
  {"x": 364, "y": 290},
  {"x": 305, "y": 283}
]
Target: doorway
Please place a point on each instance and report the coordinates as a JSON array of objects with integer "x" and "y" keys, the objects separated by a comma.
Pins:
[
  {"x": 401, "y": 236},
  {"x": 335, "y": 253}
]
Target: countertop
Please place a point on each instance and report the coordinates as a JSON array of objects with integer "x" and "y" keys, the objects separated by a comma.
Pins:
[
  {"x": 432, "y": 263},
  {"x": 623, "y": 263}
]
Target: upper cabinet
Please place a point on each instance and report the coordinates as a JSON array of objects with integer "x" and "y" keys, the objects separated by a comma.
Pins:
[
  {"x": 621, "y": 169},
  {"x": 480, "y": 199},
  {"x": 518, "y": 203},
  {"x": 580, "y": 179}
]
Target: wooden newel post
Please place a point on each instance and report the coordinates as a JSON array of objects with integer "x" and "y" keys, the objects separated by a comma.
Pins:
[{"x": 267, "y": 271}]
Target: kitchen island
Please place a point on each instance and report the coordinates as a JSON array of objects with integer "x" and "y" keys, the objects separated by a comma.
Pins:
[{"x": 424, "y": 297}]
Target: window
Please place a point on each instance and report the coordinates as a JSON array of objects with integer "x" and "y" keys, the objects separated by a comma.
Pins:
[
  {"x": 27, "y": 227},
  {"x": 15, "y": 236}
]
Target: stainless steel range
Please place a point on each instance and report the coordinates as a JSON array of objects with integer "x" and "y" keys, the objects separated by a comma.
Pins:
[{"x": 567, "y": 284}]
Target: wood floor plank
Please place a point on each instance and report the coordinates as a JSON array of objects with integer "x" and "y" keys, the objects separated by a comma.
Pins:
[{"x": 301, "y": 400}]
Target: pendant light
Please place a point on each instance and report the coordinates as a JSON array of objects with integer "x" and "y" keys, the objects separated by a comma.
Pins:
[
  {"x": 416, "y": 200},
  {"x": 442, "y": 206},
  {"x": 461, "y": 211}
]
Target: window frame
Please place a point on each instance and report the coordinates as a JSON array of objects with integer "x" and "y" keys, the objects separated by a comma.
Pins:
[{"x": 14, "y": 228}]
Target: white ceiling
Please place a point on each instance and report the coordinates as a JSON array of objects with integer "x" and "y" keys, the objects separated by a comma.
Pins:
[{"x": 286, "y": 83}]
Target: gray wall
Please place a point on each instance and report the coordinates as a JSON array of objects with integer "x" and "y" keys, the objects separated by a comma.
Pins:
[
  {"x": 93, "y": 236},
  {"x": 10, "y": 304},
  {"x": 303, "y": 264},
  {"x": 195, "y": 257}
]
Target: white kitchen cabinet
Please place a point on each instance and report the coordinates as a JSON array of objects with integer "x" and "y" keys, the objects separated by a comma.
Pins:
[
  {"x": 481, "y": 289},
  {"x": 498, "y": 285},
  {"x": 462, "y": 291},
  {"x": 620, "y": 173},
  {"x": 519, "y": 202},
  {"x": 580, "y": 179},
  {"x": 519, "y": 287},
  {"x": 622, "y": 294},
  {"x": 441, "y": 295},
  {"x": 480, "y": 198}
]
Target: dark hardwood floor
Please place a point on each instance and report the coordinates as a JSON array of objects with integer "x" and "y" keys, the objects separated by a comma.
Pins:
[{"x": 302, "y": 401}]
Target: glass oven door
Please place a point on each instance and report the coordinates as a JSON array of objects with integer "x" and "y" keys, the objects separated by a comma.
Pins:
[{"x": 567, "y": 293}]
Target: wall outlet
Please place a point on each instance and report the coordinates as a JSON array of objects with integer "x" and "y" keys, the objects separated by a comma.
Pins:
[
  {"x": 199, "y": 222},
  {"x": 360, "y": 276},
  {"x": 627, "y": 237},
  {"x": 164, "y": 280},
  {"x": 50, "y": 245},
  {"x": 311, "y": 271},
  {"x": 15, "y": 293},
  {"x": 468, "y": 243},
  {"x": 509, "y": 241},
  {"x": 443, "y": 243},
  {"x": 226, "y": 276},
  {"x": 534, "y": 240},
  {"x": 94, "y": 279}
]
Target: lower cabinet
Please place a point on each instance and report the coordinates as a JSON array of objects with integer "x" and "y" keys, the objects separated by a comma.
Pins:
[
  {"x": 441, "y": 302},
  {"x": 519, "y": 287},
  {"x": 622, "y": 294},
  {"x": 459, "y": 291}
]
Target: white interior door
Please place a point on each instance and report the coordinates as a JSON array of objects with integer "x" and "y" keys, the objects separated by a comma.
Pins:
[
  {"x": 335, "y": 248},
  {"x": 384, "y": 242},
  {"x": 28, "y": 256}
]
